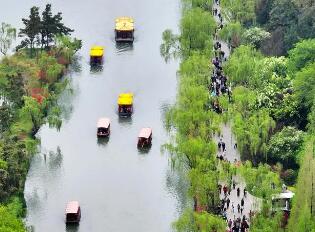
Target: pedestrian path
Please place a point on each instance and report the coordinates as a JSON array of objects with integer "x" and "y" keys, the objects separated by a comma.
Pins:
[{"x": 239, "y": 217}]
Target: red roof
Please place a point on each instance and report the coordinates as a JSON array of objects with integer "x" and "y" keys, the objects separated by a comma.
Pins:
[
  {"x": 145, "y": 132},
  {"x": 103, "y": 122},
  {"x": 72, "y": 207}
]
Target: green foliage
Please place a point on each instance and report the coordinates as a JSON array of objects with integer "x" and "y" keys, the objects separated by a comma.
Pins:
[
  {"x": 303, "y": 210},
  {"x": 203, "y": 222},
  {"x": 197, "y": 28},
  {"x": 255, "y": 36},
  {"x": 7, "y": 35},
  {"x": 259, "y": 180},
  {"x": 32, "y": 111},
  {"x": 304, "y": 86},
  {"x": 266, "y": 222},
  {"x": 284, "y": 147},
  {"x": 51, "y": 25},
  {"x": 242, "y": 66},
  {"x": 170, "y": 46},
  {"x": 42, "y": 31},
  {"x": 284, "y": 16},
  {"x": 50, "y": 68},
  {"x": 241, "y": 11},
  {"x": 232, "y": 33},
  {"x": 203, "y": 4},
  {"x": 301, "y": 55},
  {"x": 9, "y": 221},
  {"x": 31, "y": 29},
  {"x": 252, "y": 134}
]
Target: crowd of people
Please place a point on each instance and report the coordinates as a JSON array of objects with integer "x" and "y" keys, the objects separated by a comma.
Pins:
[
  {"x": 219, "y": 81},
  {"x": 239, "y": 221},
  {"x": 234, "y": 197}
]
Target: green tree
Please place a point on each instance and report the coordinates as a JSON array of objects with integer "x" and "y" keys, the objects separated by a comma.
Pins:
[
  {"x": 241, "y": 11},
  {"x": 284, "y": 147},
  {"x": 31, "y": 29},
  {"x": 302, "y": 216},
  {"x": 304, "y": 85},
  {"x": 197, "y": 28},
  {"x": 232, "y": 33},
  {"x": 255, "y": 36},
  {"x": 203, "y": 222},
  {"x": 242, "y": 66},
  {"x": 9, "y": 222},
  {"x": 51, "y": 26},
  {"x": 32, "y": 111},
  {"x": 7, "y": 35},
  {"x": 301, "y": 55}
]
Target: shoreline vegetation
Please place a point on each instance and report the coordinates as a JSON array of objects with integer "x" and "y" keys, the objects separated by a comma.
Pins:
[
  {"x": 30, "y": 82},
  {"x": 271, "y": 73}
]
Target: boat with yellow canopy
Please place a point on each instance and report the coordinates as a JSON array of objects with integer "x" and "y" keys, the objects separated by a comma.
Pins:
[
  {"x": 96, "y": 54},
  {"x": 125, "y": 104},
  {"x": 124, "y": 29}
]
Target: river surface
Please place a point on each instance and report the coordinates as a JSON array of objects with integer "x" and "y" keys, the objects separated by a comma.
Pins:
[{"x": 119, "y": 188}]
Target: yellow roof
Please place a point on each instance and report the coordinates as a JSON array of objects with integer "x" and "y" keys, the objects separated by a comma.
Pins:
[
  {"x": 97, "y": 51},
  {"x": 124, "y": 24},
  {"x": 125, "y": 99}
]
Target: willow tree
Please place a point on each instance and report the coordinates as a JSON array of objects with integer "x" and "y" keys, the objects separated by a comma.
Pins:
[
  {"x": 302, "y": 218},
  {"x": 243, "y": 65},
  {"x": 7, "y": 35},
  {"x": 197, "y": 28},
  {"x": 191, "y": 221}
]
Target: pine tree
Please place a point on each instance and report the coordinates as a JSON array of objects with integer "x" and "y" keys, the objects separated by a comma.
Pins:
[
  {"x": 52, "y": 26},
  {"x": 31, "y": 29}
]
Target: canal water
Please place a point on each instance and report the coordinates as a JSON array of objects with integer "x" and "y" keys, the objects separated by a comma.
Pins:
[{"x": 118, "y": 187}]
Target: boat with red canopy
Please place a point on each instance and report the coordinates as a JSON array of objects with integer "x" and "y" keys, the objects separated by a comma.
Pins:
[
  {"x": 73, "y": 212},
  {"x": 145, "y": 137},
  {"x": 103, "y": 127}
]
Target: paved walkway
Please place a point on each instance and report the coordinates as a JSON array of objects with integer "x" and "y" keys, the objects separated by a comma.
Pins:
[{"x": 231, "y": 154}]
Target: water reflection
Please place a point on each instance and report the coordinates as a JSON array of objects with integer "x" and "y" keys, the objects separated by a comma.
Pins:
[
  {"x": 76, "y": 64},
  {"x": 102, "y": 141},
  {"x": 55, "y": 159},
  {"x": 125, "y": 121},
  {"x": 144, "y": 151},
  {"x": 72, "y": 227},
  {"x": 96, "y": 68},
  {"x": 124, "y": 47},
  {"x": 177, "y": 184}
]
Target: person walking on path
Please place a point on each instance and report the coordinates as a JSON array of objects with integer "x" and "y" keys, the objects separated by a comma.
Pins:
[
  {"x": 242, "y": 202},
  {"x": 238, "y": 208},
  {"x": 232, "y": 208},
  {"x": 230, "y": 223},
  {"x": 238, "y": 192},
  {"x": 225, "y": 190},
  {"x": 242, "y": 208},
  {"x": 228, "y": 203},
  {"x": 233, "y": 183},
  {"x": 245, "y": 192}
]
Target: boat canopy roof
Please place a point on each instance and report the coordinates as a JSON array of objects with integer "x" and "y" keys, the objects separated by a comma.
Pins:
[
  {"x": 124, "y": 24},
  {"x": 125, "y": 99},
  {"x": 284, "y": 195},
  {"x": 145, "y": 132},
  {"x": 103, "y": 123},
  {"x": 97, "y": 51},
  {"x": 72, "y": 207}
]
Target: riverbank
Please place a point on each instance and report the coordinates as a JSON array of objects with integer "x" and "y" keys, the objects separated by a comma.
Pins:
[{"x": 29, "y": 90}]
